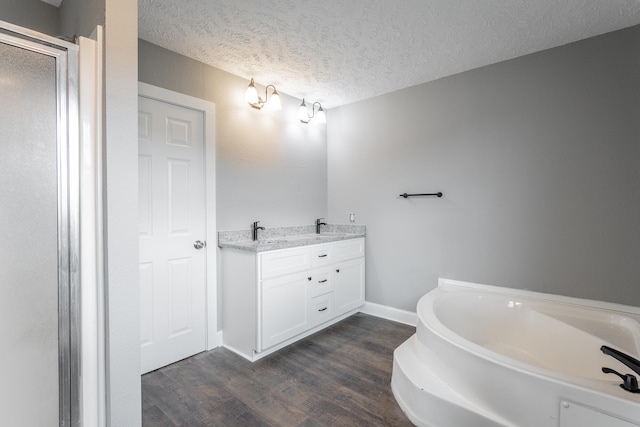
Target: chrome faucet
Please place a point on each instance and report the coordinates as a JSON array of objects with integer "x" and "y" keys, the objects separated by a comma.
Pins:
[
  {"x": 254, "y": 230},
  {"x": 630, "y": 382},
  {"x": 318, "y": 224}
]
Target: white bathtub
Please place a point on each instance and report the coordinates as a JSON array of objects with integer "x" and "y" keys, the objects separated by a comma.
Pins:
[{"x": 492, "y": 356}]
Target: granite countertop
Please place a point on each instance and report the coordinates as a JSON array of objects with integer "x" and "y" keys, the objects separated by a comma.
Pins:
[{"x": 288, "y": 237}]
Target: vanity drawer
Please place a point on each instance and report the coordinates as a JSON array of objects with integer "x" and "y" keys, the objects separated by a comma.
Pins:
[
  {"x": 320, "y": 309},
  {"x": 321, "y": 255},
  {"x": 278, "y": 263},
  {"x": 347, "y": 249},
  {"x": 320, "y": 282}
]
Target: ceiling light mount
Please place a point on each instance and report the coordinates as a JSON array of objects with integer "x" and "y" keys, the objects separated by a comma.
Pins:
[
  {"x": 255, "y": 101},
  {"x": 318, "y": 116}
]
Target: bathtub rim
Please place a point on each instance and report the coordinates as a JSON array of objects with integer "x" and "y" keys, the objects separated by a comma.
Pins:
[
  {"x": 605, "y": 305},
  {"x": 434, "y": 326}
]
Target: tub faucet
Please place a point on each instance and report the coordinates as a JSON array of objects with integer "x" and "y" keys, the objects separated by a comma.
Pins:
[
  {"x": 318, "y": 224},
  {"x": 630, "y": 382},
  {"x": 254, "y": 230}
]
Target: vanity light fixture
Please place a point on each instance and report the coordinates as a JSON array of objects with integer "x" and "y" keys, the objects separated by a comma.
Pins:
[
  {"x": 254, "y": 100},
  {"x": 318, "y": 116}
]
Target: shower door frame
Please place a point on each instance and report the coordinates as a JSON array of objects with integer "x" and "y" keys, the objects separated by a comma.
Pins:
[{"x": 68, "y": 217}]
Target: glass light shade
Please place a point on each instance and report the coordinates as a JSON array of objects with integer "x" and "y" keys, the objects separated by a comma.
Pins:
[
  {"x": 252, "y": 94},
  {"x": 274, "y": 102},
  {"x": 321, "y": 116},
  {"x": 303, "y": 115}
]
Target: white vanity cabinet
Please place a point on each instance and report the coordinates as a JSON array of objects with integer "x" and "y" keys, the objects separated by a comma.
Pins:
[
  {"x": 283, "y": 311},
  {"x": 347, "y": 277},
  {"x": 273, "y": 298}
]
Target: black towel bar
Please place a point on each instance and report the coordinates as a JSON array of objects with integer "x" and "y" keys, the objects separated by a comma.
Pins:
[{"x": 405, "y": 195}]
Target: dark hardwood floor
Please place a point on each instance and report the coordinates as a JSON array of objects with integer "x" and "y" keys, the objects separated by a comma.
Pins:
[{"x": 337, "y": 377}]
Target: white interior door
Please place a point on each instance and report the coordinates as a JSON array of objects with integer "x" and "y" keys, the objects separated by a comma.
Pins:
[{"x": 172, "y": 220}]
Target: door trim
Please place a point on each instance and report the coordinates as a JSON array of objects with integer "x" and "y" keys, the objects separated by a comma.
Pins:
[
  {"x": 92, "y": 259},
  {"x": 212, "y": 338}
]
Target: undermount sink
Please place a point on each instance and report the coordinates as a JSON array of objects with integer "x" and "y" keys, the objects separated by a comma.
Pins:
[
  {"x": 304, "y": 237},
  {"x": 298, "y": 237}
]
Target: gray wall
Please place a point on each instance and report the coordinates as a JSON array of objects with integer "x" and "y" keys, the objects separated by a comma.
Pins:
[
  {"x": 74, "y": 17},
  {"x": 539, "y": 161},
  {"x": 33, "y": 14},
  {"x": 270, "y": 167},
  {"x": 80, "y": 17}
]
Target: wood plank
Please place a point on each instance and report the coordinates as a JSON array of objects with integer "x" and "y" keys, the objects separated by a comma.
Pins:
[{"x": 337, "y": 377}]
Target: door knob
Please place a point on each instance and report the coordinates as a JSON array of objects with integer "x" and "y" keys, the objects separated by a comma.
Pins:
[{"x": 199, "y": 244}]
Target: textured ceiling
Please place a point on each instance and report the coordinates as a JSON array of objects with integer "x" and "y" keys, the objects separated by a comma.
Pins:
[{"x": 342, "y": 51}]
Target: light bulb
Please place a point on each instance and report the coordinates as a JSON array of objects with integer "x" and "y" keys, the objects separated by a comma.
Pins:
[
  {"x": 303, "y": 115},
  {"x": 321, "y": 116},
  {"x": 274, "y": 102},
  {"x": 252, "y": 94}
]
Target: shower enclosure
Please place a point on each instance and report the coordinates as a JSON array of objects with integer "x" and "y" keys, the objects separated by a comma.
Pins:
[{"x": 39, "y": 230}]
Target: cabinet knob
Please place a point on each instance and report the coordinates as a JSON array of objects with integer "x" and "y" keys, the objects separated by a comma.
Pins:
[
  {"x": 338, "y": 270},
  {"x": 309, "y": 278}
]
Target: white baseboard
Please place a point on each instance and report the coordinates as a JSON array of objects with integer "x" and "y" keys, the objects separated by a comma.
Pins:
[
  {"x": 390, "y": 313},
  {"x": 215, "y": 342},
  {"x": 257, "y": 356},
  {"x": 385, "y": 312}
]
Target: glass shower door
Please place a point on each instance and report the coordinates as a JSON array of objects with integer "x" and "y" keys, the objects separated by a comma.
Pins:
[{"x": 35, "y": 386}]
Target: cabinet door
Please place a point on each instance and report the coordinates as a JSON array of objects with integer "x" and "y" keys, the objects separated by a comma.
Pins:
[
  {"x": 348, "y": 285},
  {"x": 284, "y": 311}
]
